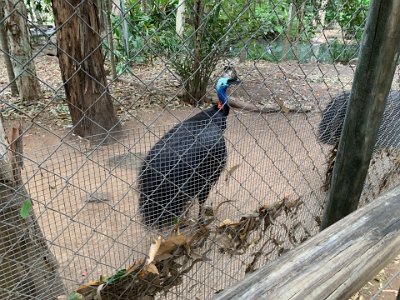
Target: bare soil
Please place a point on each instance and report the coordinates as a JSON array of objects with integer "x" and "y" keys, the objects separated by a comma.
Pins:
[{"x": 85, "y": 197}]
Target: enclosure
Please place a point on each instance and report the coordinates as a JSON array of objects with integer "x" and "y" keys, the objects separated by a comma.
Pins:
[{"x": 88, "y": 88}]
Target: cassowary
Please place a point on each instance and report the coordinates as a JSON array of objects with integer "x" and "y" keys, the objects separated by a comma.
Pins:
[
  {"x": 185, "y": 163},
  {"x": 333, "y": 116}
]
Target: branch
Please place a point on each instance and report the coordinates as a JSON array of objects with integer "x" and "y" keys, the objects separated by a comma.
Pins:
[{"x": 234, "y": 103}]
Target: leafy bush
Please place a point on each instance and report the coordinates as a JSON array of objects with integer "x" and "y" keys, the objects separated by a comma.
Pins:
[
  {"x": 337, "y": 51},
  {"x": 209, "y": 32},
  {"x": 227, "y": 27},
  {"x": 148, "y": 31},
  {"x": 349, "y": 14}
]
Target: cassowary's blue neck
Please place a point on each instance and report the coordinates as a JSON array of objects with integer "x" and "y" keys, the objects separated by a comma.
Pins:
[{"x": 222, "y": 97}]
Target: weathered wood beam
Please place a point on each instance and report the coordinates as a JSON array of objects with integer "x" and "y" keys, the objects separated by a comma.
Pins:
[{"x": 334, "y": 264}]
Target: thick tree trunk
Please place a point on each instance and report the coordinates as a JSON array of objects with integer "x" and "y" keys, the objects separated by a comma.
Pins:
[
  {"x": 20, "y": 49},
  {"x": 82, "y": 67},
  {"x": 28, "y": 269},
  {"x": 6, "y": 53}
]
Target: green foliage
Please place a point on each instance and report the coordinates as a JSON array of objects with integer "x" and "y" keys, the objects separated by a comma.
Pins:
[
  {"x": 332, "y": 52},
  {"x": 336, "y": 51},
  {"x": 270, "y": 19},
  {"x": 75, "y": 296},
  {"x": 224, "y": 29},
  {"x": 147, "y": 32},
  {"x": 41, "y": 9},
  {"x": 116, "y": 277},
  {"x": 349, "y": 14},
  {"x": 209, "y": 32},
  {"x": 25, "y": 209},
  {"x": 271, "y": 16}
]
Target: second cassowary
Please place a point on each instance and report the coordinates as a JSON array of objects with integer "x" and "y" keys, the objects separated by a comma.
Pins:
[
  {"x": 185, "y": 163},
  {"x": 331, "y": 125}
]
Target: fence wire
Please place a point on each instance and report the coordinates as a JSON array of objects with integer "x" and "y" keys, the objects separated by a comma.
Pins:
[{"x": 294, "y": 60}]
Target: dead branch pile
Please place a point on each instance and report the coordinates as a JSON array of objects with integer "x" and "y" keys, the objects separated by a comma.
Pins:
[{"x": 171, "y": 258}]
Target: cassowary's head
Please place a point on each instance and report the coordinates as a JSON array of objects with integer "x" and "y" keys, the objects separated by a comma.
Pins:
[{"x": 222, "y": 85}]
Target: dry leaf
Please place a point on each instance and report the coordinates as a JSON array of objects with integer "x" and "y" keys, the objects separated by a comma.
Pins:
[
  {"x": 151, "y": 268},
  {"x": 228, "y": 222},
  {"x": 230, "y": 171},
  {"x": 169, "y": 245},
  {"x": 154, "y": 249}
]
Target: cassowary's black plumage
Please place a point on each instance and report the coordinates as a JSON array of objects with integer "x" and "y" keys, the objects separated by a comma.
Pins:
[
  {"x": 184, "y": 164},
  {"x": 333, "y": 116}
]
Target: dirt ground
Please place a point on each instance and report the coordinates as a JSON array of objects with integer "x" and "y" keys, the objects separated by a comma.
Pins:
[{"x": 85, "y": 197}]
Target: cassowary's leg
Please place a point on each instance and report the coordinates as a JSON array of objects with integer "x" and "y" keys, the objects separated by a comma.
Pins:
[{"x": 202, "y": 199}]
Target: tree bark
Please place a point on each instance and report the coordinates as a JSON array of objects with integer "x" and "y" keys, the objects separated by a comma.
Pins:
[
  {"x": 300, "y": 18},
  {"x": 195, "y": 88},
  {"x": 6, "y": 53},
  {"x": 180, "y": 18},
  {"x": 28, "y": 269},
  {"x": 82, "y": 67},
  {"x": 322, "y": 13},
  {"x": 110, "y": 38},
  {"x": 20, "y": 49},
  {"x": 124, "y": 28},
  {"x": 288, "y": 39}
]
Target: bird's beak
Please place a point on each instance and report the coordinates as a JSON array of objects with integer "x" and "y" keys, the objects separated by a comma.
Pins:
[{"x": 234, "y": 81}]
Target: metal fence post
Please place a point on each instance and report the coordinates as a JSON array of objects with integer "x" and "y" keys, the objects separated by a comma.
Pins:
[{"x": 372, "y": 81}]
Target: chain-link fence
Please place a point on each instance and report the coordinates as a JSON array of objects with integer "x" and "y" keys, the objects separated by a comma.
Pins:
[{"x": 156, "y": 63}]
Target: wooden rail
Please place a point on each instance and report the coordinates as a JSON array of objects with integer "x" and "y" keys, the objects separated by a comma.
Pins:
[{"x": 334, "y": 264}]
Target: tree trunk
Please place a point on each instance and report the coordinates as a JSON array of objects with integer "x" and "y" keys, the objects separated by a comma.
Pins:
[
  {"x": 110, "y": 38},
  {"x": 143, "y": 5},
  {"x": 6, "y": 53},
  {"x": 28, "y": 269},
  {"x": 82, "y": 68},
  {"x": 125, "y": 32},
  {"x": 194, "y": 86},
  {"x": 322, "y": 13},
  {"x": 288, "y": 39},
  {"x": 180, "y": 18},
  {"x": 243, "y": 51},
  {"x": 300, "y": 18},
  {"x": 20, "y": 50},
  {"x": 101, "y": 13}
]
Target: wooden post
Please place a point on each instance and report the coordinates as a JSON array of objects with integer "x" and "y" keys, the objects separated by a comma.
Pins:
[
  {"x": 334, "y": 264},
  {"x": 374, "y": 74}
]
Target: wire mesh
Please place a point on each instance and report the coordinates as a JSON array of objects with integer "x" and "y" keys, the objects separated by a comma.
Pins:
[{"x": 293, "y": 58}]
